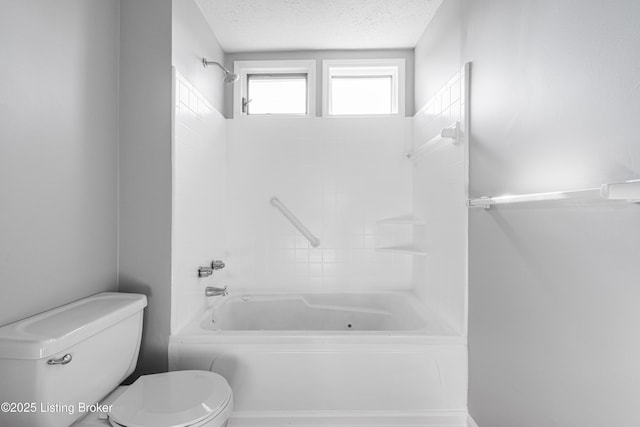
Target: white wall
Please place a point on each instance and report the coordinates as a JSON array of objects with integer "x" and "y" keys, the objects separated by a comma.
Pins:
[
  {"x": 339, "y": 176},
  {"x": 145, "y": 169},
  {"x": 554, "y": 318},
  {"x": 319, "y": 56},
  {"x": 437, "y": 53},
  {"x": 199, "y": 194},
  {"x": 58, "y": 152},
  {"x": 192, "y": 39}
]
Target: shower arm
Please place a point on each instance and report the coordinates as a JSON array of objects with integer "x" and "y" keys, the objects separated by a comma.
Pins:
[
  {"x": 229, "y": 77},
  {"x": 206, "y": 63}
]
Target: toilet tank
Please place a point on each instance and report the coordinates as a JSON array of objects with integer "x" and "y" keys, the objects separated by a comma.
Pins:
[{"x": 57, "y": 363}]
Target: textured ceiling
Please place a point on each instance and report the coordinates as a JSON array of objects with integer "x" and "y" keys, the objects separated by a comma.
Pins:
[{"x": 263, "y": 25}]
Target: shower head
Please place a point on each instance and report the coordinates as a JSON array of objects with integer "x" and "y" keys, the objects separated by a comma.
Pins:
[{"x": 229, "y": 77}]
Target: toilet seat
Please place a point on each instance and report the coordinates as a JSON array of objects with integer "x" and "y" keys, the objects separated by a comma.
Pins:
[{"x": 173, "y": 399}]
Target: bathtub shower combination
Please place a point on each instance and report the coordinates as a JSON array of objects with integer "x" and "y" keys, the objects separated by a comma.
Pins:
[
  {"x": 336, "y": 359},
  {"x": 322, "y": 205}
]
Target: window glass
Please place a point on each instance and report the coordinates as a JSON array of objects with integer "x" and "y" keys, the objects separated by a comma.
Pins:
[
  {"x": 358, "y": 87},
  {"x": 353, "y": 95},
  {"x": 277, "y": 94}
]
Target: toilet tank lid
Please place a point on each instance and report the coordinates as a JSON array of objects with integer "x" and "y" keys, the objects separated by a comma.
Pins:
[{"x": 53, "y": 331}]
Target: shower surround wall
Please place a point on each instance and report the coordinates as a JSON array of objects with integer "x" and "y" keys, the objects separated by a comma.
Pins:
[
  {"x": 440, "y": 172},
  {"x": 198, "y": 160},
  {"x": 339, "y": 177},
  {"x": 199, "y": 189},
  {"x": 439, "y": 195}
]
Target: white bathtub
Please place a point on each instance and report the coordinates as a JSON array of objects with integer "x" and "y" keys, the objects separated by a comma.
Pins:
[
  {"x": 317, "y": 359},
  {"x": 316, "y": 312}
]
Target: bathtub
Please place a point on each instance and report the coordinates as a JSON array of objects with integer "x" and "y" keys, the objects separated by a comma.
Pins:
[
  {"x": 329, "y": 359},
  {"x": 316, "y": 312}
]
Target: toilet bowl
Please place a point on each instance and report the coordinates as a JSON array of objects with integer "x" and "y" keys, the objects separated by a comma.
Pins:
[{"x": 77, "y": 354}]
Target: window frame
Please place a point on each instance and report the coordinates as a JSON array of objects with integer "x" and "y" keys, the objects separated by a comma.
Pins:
[
  {"x": 394, "y": 67},
  {"x": 246, "y": 68}
]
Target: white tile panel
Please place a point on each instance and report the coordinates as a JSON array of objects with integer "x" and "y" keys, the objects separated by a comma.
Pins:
[
  {"x": 339, "y": 177},
  {"x": 439, "y": 194},
  {"x": 199, "y": 192}
]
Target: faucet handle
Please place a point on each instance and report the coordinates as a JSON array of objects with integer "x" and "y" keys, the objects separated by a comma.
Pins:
[
  {"x": 217, "y": 264},
  {"x": 205, "y": 271}
]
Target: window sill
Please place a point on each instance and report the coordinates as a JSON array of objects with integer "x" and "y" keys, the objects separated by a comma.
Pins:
[
  {"x": 274, "y": 116},
  {"x": 361, "y": 116}
]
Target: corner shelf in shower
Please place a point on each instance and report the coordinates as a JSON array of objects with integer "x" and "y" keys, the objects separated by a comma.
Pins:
[{"x": 407, "y": 250}]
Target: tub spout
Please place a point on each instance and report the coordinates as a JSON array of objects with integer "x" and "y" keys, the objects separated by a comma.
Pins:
[{"x": 212, "y": 291}]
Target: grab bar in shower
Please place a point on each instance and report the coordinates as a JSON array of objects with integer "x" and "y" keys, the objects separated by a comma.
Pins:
[{"x": 313, "y": 240}]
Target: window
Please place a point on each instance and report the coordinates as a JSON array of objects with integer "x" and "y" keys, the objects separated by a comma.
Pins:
[
  {"x": 363, "y": 87},
  {"x": 274, "y": 88},
  {"x": 276, "y": 94}
]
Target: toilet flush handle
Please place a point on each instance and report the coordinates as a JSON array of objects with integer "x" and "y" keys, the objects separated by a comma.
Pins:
[{"x": 61, "y": 361}]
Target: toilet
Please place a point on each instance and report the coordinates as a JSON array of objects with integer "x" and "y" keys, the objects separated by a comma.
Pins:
[{"x": 64, "y": 367}]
